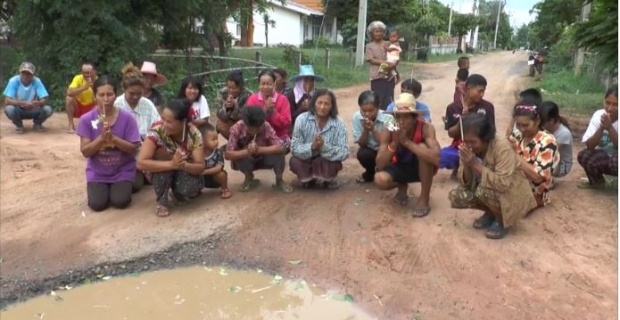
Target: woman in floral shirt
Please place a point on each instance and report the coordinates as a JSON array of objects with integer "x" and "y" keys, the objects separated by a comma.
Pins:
[
  {"x": 231, "y": 100},
  {"x": 537, "y": 150},
  {"x": 172, "y": 152}
]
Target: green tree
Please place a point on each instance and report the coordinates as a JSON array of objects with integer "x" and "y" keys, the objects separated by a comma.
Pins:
[
  {"x": 461, "y": 24},
  {"x": 600, "y": 33}
]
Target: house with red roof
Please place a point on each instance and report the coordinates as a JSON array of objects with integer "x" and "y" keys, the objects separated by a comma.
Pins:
[{"x": 293, "y": 23}]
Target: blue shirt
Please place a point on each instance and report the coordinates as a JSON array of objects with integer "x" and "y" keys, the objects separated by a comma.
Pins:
[
  {"x": 334, "y": 133},
  {"x": 16, "y": 90},
  {"x": 380, "y": 124},
  {"x": 420, "y": 106}
]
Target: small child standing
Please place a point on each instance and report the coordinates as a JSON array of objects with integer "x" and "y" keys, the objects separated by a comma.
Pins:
[
  {"x": 214, "y": 175},
  {"x": 459, "y": 89}
]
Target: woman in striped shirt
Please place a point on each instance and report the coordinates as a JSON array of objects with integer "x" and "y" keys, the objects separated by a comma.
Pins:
[{"x": 319, "y": 143}]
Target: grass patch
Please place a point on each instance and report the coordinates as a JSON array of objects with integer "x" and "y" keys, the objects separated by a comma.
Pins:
[
  {"x": 577, "y": 95},
  {"x": 340, "y": 74},
  {"x": 433, "y": 58}
]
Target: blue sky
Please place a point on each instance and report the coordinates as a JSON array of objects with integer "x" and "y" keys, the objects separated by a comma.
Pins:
[{"x": 517, "y": 9}]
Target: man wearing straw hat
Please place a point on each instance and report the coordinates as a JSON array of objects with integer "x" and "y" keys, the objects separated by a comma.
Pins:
[
  {"x": 409, "y": 153},
  {"x": 152, "y": 78}
]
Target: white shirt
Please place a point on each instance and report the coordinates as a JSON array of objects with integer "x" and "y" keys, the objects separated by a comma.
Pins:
[
  {"x": 202, "y": 108},
  {"x": 595, "y": 123},
  {"x": 145, "y": 112}
]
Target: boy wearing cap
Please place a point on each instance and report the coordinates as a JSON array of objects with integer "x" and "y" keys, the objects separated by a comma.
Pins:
[
  {"x": 80, "y": 96},
  {"x": 407, "y": 154},
  {"x": 25, "y": 97}
]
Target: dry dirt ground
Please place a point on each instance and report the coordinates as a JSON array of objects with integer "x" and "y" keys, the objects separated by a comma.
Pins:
[{"x": 559, "y": 263}]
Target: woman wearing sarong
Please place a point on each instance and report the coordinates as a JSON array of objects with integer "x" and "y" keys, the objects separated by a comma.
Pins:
[
  {"x": 319, "y": 143},
  {"x": 231, "y": 100},
  {"x": 172, "y": 153},
  {"x": 491, "y": 178},
  {"x": 376, "y": 55}
]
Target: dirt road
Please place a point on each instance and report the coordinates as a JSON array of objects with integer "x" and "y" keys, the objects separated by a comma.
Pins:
[{"x": 559, "y": 263}]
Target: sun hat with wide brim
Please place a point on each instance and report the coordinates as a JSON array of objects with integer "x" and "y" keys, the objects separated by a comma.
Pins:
[
  {"x": 150, "y": 68},
  {"x": 306, "y": 71},
  {"x": 405, "y": 104}
]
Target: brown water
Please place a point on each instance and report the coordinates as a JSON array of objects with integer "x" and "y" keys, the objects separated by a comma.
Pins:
[{"x": 188, "y": 294}]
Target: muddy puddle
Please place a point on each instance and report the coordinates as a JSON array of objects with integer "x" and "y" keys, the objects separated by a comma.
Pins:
[{"x": 189, "y": 293}]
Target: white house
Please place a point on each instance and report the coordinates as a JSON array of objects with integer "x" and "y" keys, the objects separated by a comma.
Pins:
[{"x": 294, "y": 23}]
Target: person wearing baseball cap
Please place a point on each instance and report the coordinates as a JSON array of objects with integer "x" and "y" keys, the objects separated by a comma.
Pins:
[
  {"x": 25, "y": 97},
  {"x": 152, "y": 78},
  {"x": 409, "y": 153}
]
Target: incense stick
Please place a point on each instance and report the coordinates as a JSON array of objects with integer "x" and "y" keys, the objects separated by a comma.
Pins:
[{"x": 461, "y": 126}]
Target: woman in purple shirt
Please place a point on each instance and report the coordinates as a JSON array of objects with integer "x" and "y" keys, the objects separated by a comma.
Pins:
[{"x": 109, "y": 139}]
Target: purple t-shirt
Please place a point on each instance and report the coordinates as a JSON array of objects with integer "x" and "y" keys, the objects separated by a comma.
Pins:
[{"x": 110, "y": 165}]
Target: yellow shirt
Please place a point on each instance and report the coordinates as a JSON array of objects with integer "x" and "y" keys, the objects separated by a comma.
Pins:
[{"x": 86, "y": 97}]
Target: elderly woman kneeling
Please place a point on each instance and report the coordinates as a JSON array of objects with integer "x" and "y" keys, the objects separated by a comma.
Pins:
[
  {"x": 319, "y": 142},
  {"x": 491, "y": 179},
  {"x": 172, "y": 153}
]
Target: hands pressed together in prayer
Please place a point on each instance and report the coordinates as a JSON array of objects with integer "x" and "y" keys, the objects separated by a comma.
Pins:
[
  {"x": 269, "y": 105},
  {"x": 317, "y": 144},
  {"x": 253, "y": 148},
  {"x": 368, "y": 125},
  {"x": 467, "y": 156},
  {"x": 109, "y": 140},
  {"x": 606, "y": 122},
  {"x": 178, "y": 159}
]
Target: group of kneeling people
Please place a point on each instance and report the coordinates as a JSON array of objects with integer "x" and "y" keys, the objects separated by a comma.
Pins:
[{"x": 399, "y": 147}]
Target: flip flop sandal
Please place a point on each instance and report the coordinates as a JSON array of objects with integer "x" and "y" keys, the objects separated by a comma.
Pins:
[
  {"x": 161, "y": 211},
  {"x": 225, "y": 193},
  {"x": 496, "y": 231},
  {"x": 283, "y": 186},
  {"x": 362, "y": 179},
  {"x": 485, "y": 221},
  {"x": 249, "y": 185},
  {"x": 402, "y": 200},
  {"x": 421, "y": 212},
  {"x": 331, "y": 185}
]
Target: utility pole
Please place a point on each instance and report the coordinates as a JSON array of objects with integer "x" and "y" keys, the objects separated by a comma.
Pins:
[
  {"x": 473, "y": 40},
  {"x": 585, "y": 13},
  {"x": 361, "y": 33},
  {"x": 499, "y": 11},
  {"x": 450, "y": 20}
]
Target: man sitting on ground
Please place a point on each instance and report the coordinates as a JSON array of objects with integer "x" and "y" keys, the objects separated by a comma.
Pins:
[
  {"x": 80, "y": 97},
  {"x": 25, "y": 97}
]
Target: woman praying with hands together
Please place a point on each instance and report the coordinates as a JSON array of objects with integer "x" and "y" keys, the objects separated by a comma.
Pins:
[
  {"x": 172, "y": 153},
  {"x": 109, "y": 139}
]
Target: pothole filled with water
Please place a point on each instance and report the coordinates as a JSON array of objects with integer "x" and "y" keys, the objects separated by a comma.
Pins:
[{"x": 189, "y": 293}]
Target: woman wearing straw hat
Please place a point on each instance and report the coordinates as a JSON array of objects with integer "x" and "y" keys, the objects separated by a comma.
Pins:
[
  {"x": 152, "y": 78},
  {"x": 303, "y": 90},
  {"x": 376, "y": 55},
  {"x": 408, "y": 153}
]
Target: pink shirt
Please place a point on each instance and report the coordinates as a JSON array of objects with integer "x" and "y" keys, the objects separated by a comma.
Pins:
[{"x": 280, "y": 119}]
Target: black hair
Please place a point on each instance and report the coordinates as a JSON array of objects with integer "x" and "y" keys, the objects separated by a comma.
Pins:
[
  {"x": 475, "y": 80},
  {"x": 479, "y": 125},
  {"x": 531, "y": 94},
  {"x": 393, "y": 29},
  {"x": 462, "y": 74},
  {"x": 105, "y": 80},
  {"x": 549, "y": 110},
  {"x": 412, "y": 85},
  {"x": 89, "y": 62},
  {"x": 236, "y": 76},
  {"x": 324, "y": 92},
  {"x": 253, "y": 116},
  {"x": 180, "y": 108},
  {"x": 281, "y": 72},
  {"x": 208, "y": 127},
  {"x": 526, "y": 108},
  {"x": 369, "y": 97},
  {"x": 267, "y": 72},
  {"x": 462, "y": 61},
  {"x": 195, "y": 82},
  {"x": 610, "y": 91}
]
